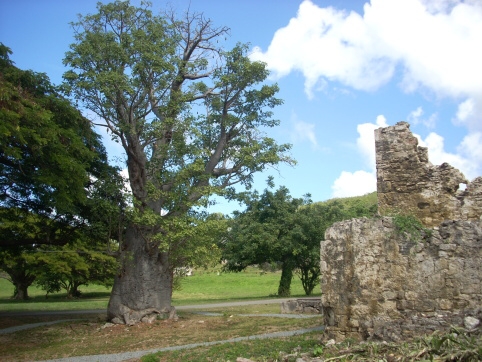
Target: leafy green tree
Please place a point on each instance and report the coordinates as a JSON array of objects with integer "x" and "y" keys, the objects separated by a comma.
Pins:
[
  {"x": 307, "y": 232},
  {"x": 149, "y": 78},
  {"x": 278, "y": 228},
  {"x": 56, "y": 186},
  {"x": 263, "y": 233},
  {"x": 311, "y": 224},
  {"x": 85, "y": 260},
  {"x": 198, "y": 246},
  {"x": 48, "y": 152},
  {"x": 70, "y": 266}
]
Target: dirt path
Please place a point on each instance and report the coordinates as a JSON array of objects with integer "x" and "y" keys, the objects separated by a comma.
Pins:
[{"x": 119, "y": 357}]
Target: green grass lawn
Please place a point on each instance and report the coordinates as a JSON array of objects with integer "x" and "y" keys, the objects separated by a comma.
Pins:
[{"x": 205, "y": 286}]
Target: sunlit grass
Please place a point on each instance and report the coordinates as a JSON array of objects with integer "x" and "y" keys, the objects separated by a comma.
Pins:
[{"x": 205, "y": 286}]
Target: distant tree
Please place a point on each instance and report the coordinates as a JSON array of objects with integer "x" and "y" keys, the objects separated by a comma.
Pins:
[
  {"x": 278, "y": 228},
  {"x": 263, "y": 233},
  {"x": 18, "y": 269},
  {"x": 148, "y": 77},
  {"x": 70, "y": 266},
  {"x": 307, "y": 232},
  {"x": 197, "y": 246}
]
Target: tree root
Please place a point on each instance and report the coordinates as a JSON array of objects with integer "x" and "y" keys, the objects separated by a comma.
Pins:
[{"x": 131, "y": 317}]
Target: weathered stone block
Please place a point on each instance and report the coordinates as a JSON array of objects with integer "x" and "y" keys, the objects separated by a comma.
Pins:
[{"x": 445, "y": 304}]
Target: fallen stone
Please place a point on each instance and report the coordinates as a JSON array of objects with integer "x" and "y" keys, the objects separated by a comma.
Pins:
[
  {"x": 107, "y": 325},
  {"x": 471, "y": 323}
]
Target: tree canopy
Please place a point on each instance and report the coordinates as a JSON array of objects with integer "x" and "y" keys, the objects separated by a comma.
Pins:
[
  {"x": 56, "y": 186},
  {"x": 262, "y": 233},
  {"x": 48, "y": 152}
]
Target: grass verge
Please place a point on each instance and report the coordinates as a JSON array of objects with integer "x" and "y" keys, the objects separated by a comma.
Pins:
[{"x": 457, "y": 345}]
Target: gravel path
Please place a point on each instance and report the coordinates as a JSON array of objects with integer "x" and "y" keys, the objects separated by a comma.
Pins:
[
  {"x": 274, "y": 315},
  {"x": 181, "y": 307},
  {"x": 32, "y": 325}
]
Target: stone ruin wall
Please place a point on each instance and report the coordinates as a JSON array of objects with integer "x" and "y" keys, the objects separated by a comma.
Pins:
[
  {"x": 380, "y": 283},
  {"x": 376, "y": 283},
  {"x": 408, "y": 183}
]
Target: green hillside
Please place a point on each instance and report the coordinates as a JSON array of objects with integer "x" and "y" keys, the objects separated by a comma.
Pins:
[{"x": 367, "y": 200}]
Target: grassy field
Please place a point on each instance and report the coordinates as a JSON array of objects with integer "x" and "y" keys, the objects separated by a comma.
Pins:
[{"x": 205, "y": 286}]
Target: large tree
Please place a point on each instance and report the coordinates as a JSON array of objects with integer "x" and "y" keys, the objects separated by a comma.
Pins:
[{"x": 190, "y": 118}]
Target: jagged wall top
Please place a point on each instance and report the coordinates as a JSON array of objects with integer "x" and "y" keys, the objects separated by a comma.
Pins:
[{"x": 408, "y": 183}]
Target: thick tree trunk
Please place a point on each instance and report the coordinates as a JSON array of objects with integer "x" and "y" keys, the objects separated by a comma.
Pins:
[
  {"x": 21, "y": 280},
  {"x": 143, "y": 286},
  {"x": 21, "y": 291}
]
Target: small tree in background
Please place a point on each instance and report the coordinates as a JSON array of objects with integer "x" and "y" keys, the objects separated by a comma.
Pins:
[
  {"x": 263, "y": 233},
  {"x": 276, "y": 228},
  {"x": 18, "y": 269},
  {"x": 71, "y": 266}
]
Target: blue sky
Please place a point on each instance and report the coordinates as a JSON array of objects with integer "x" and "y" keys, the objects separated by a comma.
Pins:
[{"x": 344, "y": 68}]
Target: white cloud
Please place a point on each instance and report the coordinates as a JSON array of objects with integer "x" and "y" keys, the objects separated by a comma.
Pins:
[
  {"x": 366, "y": 140},
  {"x": 354, "y": 184},
  {"x": 433, "y": 42},
  {"x": 361, "y": 182},
  {"x": 471, "y": 146},
  {"x": 325, "y": 43},
  {"x": 469, "y": 113},
  {"x": 468, "y": 158},
  {"x": 437, "y": 50},
  {"x": 304, "y": 131},
  {"x": 416, "y": 117},
  {"x": 465, "y": 110}
]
